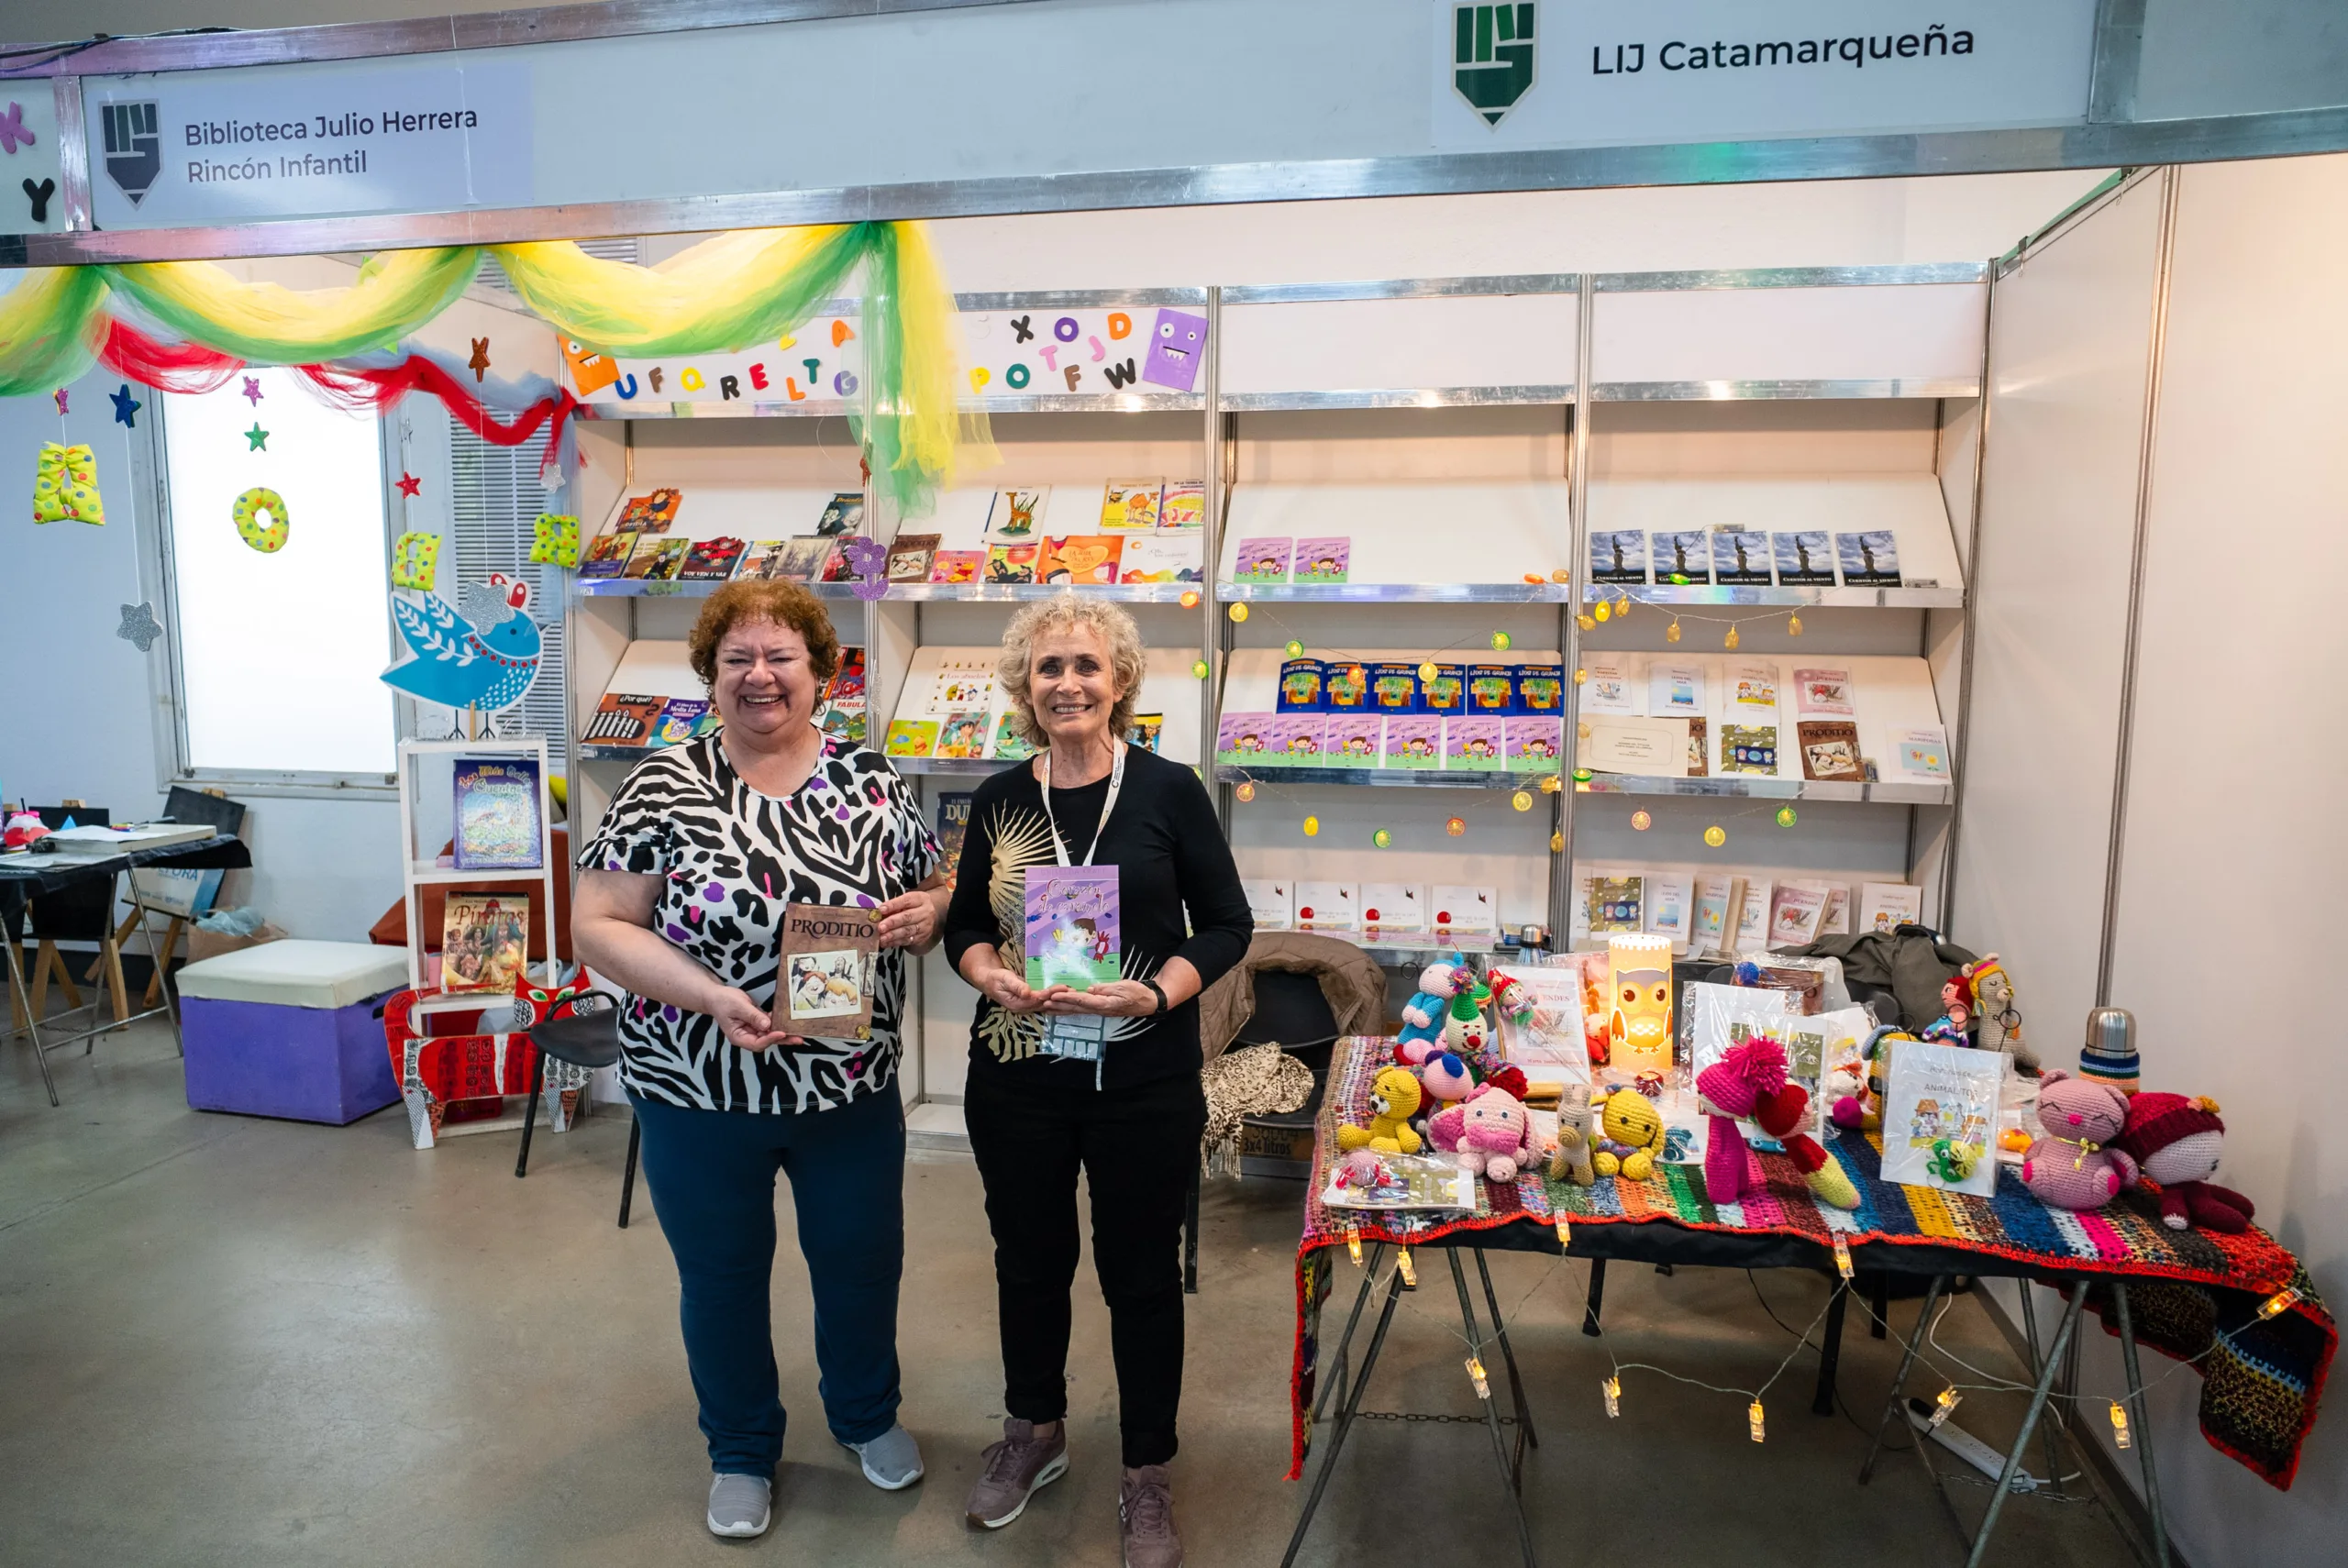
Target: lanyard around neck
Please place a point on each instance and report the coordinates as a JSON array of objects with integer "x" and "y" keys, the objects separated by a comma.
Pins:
[{"x": 1116, "y": 783}]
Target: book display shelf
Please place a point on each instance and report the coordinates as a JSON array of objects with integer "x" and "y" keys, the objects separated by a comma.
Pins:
[
  {"x": 1400, "y": 479},
  {"x": 427, "y": 819}
]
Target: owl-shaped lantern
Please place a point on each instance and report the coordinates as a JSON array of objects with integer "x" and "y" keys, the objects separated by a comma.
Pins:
[{"x": 1638, "y": 1003}]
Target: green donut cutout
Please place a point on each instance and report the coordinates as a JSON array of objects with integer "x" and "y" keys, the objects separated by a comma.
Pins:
[{"x": 269, "y": 537}]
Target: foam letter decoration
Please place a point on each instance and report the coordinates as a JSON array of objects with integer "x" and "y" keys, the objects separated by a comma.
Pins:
[
  {"x": 557, "y": 539},
  {"x": 845, "y": 382},
  {"x": 691, "y": 380},
  {"x": 980, "y": 377},
  {"x": 841, "y": 333},
  {"x": 1120, "y": 326},
  {"x": 1017, "y": 377},
  {"x": 758, "y": 375},
  {"x": 416, "y": 561},
  {"x": 65, "y": 485},
  {"x": 1066, "y": 329},
  {"x": 729, "y": 389},
  {"x": 791, "y": 385},
  {"x": 1100, "y": 349},
  {"x": 812, "y": 366},
  {"x": 1050, "y": 352},
  {"x": 1071, "y": 372}
]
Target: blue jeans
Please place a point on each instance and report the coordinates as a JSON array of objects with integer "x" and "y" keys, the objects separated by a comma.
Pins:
[{"x": 712, "y": 1176}]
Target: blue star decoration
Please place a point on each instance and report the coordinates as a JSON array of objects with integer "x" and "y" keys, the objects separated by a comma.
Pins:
[
  {"x": 139, "y": 627},
  {"x": 258, "y": 437},
  {"x": 125, "y": 407}
]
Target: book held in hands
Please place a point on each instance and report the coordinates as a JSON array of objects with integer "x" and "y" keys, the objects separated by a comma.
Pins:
[{"x": 825, "y": 988}]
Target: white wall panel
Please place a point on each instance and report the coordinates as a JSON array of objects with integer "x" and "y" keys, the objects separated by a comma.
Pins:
[
  {"x": 1471, "y": 340},
  {"x": 1919, "y": 332},
  {"x": 2233, "y": 816},
  {"x": 2069, "y": 354}
]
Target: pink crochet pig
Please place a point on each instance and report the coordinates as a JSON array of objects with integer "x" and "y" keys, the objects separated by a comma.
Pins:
[
  {"x": 2076, "y": 1163},
  {"x": 1489, "y": 1131}
]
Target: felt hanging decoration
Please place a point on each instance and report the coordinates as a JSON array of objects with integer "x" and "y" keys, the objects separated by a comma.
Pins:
[
  {"x": 478, "y": 363},
  {"x": 485, "y": 657},
  {"x": 260, "y": 519},
  {"x": 140, "y": 628},
  {"x": 252, "y": 394},
  {"x": 256, "y": 440},
  {"x": 65, "y": 485},
  {"x": 409, "y": 485},
  {"x": 125, "y": 407},
  {"x": 416, "y": 561},
  {"x": 62, "y": 401},
  {"x": 555, "y": 541}
]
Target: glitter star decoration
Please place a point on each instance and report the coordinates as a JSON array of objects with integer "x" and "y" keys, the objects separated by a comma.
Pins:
[
  {"x": 125, "y": 407},
  {"x": 251, "y": 394},
  {"x": 61, "y": 400},
  {"x": 410, "y": 485},
  {"x": 140, "y": 628},
  {"x": 257, "y": 440}
]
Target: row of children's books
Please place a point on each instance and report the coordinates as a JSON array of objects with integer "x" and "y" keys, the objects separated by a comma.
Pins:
[
  {"x": 1127, "y": 506},
  {"x": 977, "y": 735},
  {"x": 1287, "y": 559},
  {"x": 1723, "y": 914},
  {"x": 1310, "y": 685},
  {"x": 1396, "y": 911},
  {"x": 624, "y": 719},
  {"x": 1734, "y": 557},
  {"x": 1069, "y": 561},
  {"x": 1471, "y": 742}
]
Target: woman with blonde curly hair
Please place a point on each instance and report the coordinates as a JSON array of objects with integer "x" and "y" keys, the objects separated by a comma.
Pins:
[
  {"x": 681, "y": 899},
  {"x": 1104, "y": 1078}
]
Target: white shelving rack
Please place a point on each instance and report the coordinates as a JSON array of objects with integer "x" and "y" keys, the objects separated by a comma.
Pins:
[{"x": 421, "y": 867}]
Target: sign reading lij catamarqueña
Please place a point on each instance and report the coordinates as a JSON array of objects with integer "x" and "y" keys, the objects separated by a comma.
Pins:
[
  {"x": 1587, "y": 72},
  {"x": 221, "y": 146}
]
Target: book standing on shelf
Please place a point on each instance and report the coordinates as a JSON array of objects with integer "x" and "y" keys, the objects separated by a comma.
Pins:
[
  {"x": 608, "y": 555},
  {"x": 1393, "y": 909},
  {"x": 1012, "y": 563},
  {"x": 961, "y": 735},
  {"x": 496, "y": 813},
  {"x": 837, "y": 568},
  {"x": 1015, "y": 515},
  {"x": 652, "y": 513},
  {"x": 484, "y": 942},
  {"x": 762, "y": 560},
  {"x": 1830, "y": 750},
  {"x": 1162, "y": 557},
  {"x": 1328, "y": 906},
  {"x": 711, "y": 560},
  {"x": 1617, "y": 904},
  {"x": 1869, "y": 559},
  {"x": 910, "y": 737},
  {"x": 1885, "y": 905},
  {"x": 958, "y": 566},
  {"x": 1078, "y": 561},
  {"x": 1683, "y": 557},
  {"x": 1270, "y": 901},
  {"x": 658, "y": 561},
  {"x": 826, "y": 987},
  {"x": 842, "y": 711},
  {"x": 1805, "y": 559},
  {"x": 910, "y": 557},
  {"x": 1323, "y": 561},
  {"x": 1353, "y": 740},
  {"x": 1415, "y": 740},
  {"x": 844, "y": 514},
  {"x": 1130, "y": 505},
  {"x": 802, "y": 560},
  {"x": 953, "y": 829},
  {"x": 624, "y": 720},
  {"x": 1146, "y": 731},
  {"x": 1465, "y": 910},
  {"x": 1261, "y": 560},
  {"x": 1184, "y": 506},
  {"x": 1619, "y": 556},
  {"x": 1741, "y": 558},
  {"x": 684, "y": 719}
]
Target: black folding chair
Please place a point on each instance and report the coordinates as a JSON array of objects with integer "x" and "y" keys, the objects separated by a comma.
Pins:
[{"x": 588, "y": 1038}]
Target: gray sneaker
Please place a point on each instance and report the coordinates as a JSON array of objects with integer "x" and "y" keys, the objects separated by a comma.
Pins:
[
  {"x": 892, "y": 1462},
  {"x": 740, "y": 1505},
  {"x": 1145, "y": 1520},
  {"x": 1010, "y": 1471}
]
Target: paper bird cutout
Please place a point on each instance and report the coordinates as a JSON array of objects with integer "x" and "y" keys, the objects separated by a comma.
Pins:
[{"x": 484, "y": 658}]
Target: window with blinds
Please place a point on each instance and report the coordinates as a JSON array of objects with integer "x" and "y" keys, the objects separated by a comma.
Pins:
[{"x": 496, "y": 498}]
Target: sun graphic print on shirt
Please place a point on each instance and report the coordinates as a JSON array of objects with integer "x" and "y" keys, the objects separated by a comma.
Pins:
[
  {"x": 1022, "y": 838},
  {"x": 730, "y": 859}
]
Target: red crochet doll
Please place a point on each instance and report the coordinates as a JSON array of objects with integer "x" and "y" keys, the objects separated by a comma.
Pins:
[{"x": 2178, "y": 1141}]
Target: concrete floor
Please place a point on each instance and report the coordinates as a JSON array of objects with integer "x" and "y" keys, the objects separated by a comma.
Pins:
[{"x": 232, "y": 1341}]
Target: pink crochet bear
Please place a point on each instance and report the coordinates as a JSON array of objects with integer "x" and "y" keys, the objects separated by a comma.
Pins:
[
  {"x": 2077, "y": 1163},
  {"x": 1488, "y": 1131}
]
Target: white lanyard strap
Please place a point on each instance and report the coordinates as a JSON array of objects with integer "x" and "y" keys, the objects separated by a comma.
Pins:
[{"x": 1116, "y": 783}]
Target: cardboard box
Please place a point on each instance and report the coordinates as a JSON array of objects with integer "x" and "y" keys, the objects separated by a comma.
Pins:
[{"x": 203, "y": 944}]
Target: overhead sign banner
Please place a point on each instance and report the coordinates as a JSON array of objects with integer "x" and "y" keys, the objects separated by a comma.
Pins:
[
  {"x": 1524, "y": 74},
  {"x": 197, "y": 149}
]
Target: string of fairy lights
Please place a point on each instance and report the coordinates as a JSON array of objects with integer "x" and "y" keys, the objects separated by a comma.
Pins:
[
  {"x": 1952, "y": 1393},
  {"x": 1250, "y": 787}
]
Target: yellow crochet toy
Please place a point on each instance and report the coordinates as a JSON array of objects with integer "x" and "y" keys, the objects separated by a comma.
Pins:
[
  {"x": 1630, "y": 1135},
  {"x": 1393, "y": 1100}
]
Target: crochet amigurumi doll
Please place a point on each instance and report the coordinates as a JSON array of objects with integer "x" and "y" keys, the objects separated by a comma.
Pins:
[
  {"x": 2074, "y": 1163},
  {"x": 1750, "y": 1082},
  {"x": 1393, "y": 1098},
  {"x": 1423, "y": 1014},
  {"x": 1489, "y": 1131},
  {"x": 1630, "y": 1135},
  {"x": 2179, "y": 1142},
  {"x": 1569, "y": 1161}
]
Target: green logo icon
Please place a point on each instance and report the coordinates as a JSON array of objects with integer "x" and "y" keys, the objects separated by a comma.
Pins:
[{"x": 1491, "y": 56}]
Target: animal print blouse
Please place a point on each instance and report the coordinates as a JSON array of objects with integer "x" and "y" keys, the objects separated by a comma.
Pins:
[{"x": 729, "y": 859}]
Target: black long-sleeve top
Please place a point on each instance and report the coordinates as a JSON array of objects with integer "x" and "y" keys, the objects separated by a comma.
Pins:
[{"x": 1172, "y": 859}]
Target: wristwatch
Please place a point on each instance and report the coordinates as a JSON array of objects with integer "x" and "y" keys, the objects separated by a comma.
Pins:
[{"x": 1158, "y": 991}]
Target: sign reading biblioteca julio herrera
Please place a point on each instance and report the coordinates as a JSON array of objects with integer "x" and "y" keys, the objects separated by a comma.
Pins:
[
  {"x": 197, "y": 149},
  {"x": 1540, "y": 73}
]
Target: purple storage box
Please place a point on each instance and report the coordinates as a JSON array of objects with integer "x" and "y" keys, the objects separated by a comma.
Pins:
[{"x": 289, "y": 1029}]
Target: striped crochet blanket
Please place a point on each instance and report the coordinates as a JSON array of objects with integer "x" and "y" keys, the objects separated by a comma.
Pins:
[{"x": 2261, "y": 1387}]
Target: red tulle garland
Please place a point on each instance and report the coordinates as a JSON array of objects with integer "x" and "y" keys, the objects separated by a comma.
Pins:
[{"x": 191, "y": 367}]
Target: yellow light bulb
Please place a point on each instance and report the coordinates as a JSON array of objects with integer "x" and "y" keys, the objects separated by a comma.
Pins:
[
  {"x": 1559, "y": 574},
  {"x": 1294, "y": 649},
  {"x": 1622, "y": 606},
  {"x": 1199, "y": 668},
  {"x": 1580, "y": 676},
  {"x": 1729, "y": 642},
  {"x": 1557, "y": 844},
  {"x": 1671, "y": 633},
  {"x": 1786, "y": 817},
  {"x": 1313, "y": 827},
  {"x": 1522, "y": 800},
  {"x": 1238, "y": 613},
  {"x": 1190, "y": 599},
  {"x": 1716, "y": 836},
  {"x": 1246, "y": 792},
  {"x": 1503, "y": 641},
  {"x": 1582, "y": 776},
  {"x": 1550, "y": 784},
  {"x": 1427, "y": 670},
  {"x": 1586, "y": 623},
  {"x": 1641, "y": 822},
  {"x": 1602, "y": 612},
  {"x": 1793, "y": 626},
  {"x": 1383, "y": 839},
  {"x": 1753, "y": 1420},
  {"x": 1613, "y": 1388}
]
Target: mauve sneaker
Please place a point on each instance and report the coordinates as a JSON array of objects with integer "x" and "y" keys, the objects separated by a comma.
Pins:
[
  {"x": 1010, "y": 1470},
  {"x": 1145, "y": 1520}
]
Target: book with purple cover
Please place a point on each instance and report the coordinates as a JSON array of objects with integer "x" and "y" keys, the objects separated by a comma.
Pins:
[
  {"x": 1294, "y": 739},
  {"x": 1071, "y": 931},
  {"x": 1415, "y": 740},
  {"x": 1261, "y": 560},
  {"x": 1473, "y": 745}
]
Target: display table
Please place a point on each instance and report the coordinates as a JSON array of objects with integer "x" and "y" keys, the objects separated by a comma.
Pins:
[
  {"x": 2189, "y": 1293},
  {"x": 24, "y": 877}
]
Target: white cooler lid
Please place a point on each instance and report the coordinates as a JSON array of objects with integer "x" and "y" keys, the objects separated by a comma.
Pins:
[{"x": 297, "y": 973}]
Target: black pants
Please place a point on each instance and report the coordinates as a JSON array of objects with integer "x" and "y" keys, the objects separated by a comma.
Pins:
[{"x": 1137, "y": 1147}]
